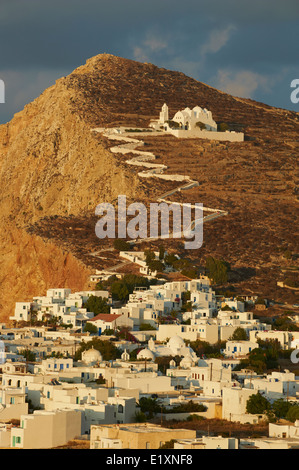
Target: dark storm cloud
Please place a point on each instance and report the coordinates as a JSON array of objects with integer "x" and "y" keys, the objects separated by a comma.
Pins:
[
  {"x": 64, "y": 32},
  {"x": 222, "y": 43}
]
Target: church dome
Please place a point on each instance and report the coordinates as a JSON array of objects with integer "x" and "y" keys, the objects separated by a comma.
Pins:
[
  {"x": 176, "y": 342},
  {"x": 91, "y": 356},
  {"x": 146, "y": 354},
  {"x": 186, "y": 362}
]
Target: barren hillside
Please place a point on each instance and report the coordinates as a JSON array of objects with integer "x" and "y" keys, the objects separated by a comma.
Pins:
[{"x": 54, "y": 171}]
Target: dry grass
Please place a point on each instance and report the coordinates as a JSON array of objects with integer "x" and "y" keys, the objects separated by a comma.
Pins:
[{"x": 215, "y": 427}]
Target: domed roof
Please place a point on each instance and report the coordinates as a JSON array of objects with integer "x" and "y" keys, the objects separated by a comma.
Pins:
[
  {"x": 187, "y": 361},
  {"x": 146, "y": 354},
  {"x": 201, "y": 363},
  {"x": 176, "y": 342},
  {"x": 186, "y": 351},
  {"x": 91, "y": 355}
]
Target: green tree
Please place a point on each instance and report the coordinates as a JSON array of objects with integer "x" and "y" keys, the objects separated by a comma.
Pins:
[
  {"x": 217, "y": 270},
  {"x": 140, "y": 417},
  {"x": 190, "y": 406},
  {"x": 30, "y": 356},
  {"x": 186, "y": 296},
  {"x": 149, "y": 406},
  {"x": 203, "y": 348},
  {"x": 168, "y": 444},
  {"x": 190, "y": 272},
  {"x": 187, "y": 307},
  {"x": 97, "y": 305},
  {"x": 239, "y": 335},
  {"x": 119, "y": 291},
  {"x": 156, "y": 265},
  {"x": 257, "y": 404},
  {"x": 66, "y": 325},
  {"x": 90, "y": 328},
  {"x": 170, "y": 259},
  {"x": 161, "y": 253},
  {"x": 107, "y": 349},
  {"x": 293, "y": 413},
  {"x": 146, "y": 326},
  {"x": 281, "y": 408},
  {"x": 284, "y": 323},
  {"x": 149, "y": 256},
  {"x": 121, "y": 288},
  {"x": 109, "y": 332}
]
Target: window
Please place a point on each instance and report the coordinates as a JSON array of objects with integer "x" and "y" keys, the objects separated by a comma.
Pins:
[{"x": 120, "y": 409}]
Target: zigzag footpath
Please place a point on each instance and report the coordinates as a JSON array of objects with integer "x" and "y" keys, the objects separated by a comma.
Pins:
[{"x": 128, "y": 145}]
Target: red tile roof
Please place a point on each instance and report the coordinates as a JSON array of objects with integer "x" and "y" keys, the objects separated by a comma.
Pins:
[{"x": 107, "y": 317}]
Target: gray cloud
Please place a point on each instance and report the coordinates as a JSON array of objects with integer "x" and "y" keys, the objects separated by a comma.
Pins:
[{"x": 211, "y": 40}]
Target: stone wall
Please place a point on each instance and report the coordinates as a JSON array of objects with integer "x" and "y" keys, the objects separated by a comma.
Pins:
[{"x": 211, "y": 135}]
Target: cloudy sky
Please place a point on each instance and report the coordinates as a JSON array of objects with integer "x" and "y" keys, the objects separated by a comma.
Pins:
[{"x": 246, "y": 48}]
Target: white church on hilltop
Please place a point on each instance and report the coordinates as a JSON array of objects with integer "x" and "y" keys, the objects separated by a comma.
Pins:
[
  {"x": 193, "y": 123},
  {"x": 187, "y": 119}
]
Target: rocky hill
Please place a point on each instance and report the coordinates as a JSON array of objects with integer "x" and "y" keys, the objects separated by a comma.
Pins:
[{"x": 54, "y": 171}]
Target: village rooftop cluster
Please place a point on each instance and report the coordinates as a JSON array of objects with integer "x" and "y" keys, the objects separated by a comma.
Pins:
[{"x": 57, "y": 385}]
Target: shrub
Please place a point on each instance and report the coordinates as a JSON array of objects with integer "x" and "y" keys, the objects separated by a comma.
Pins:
[
  {"x": 140, "y": 417},
  {"x": 89, "y": 327},
  {"x": 121, "y": 245}
]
